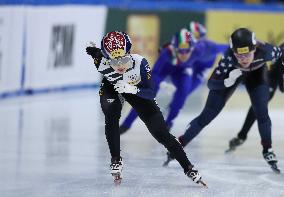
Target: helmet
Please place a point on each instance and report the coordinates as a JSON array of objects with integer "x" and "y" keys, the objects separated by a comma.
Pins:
[
  {"x": 115, "y": 44},
  {"x": 242, "y": 41},
  {"x": 198, "y": 30},
  {"x": 183, "y": 40}
]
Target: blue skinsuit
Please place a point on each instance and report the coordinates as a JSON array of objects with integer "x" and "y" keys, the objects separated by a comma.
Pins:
[{"x": 185, "y": 76}]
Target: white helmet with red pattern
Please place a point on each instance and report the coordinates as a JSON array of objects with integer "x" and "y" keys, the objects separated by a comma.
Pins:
[{"x": 115, "y": 44}]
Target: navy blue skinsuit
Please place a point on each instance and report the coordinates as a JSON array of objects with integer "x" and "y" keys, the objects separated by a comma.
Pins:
[{"x": 256, "y": 82}]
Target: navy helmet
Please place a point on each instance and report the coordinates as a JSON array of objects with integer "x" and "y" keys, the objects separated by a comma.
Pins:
[{"x": 242, "y": 41}]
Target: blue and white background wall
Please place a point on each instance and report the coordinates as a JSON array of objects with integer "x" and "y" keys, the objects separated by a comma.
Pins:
[
  {"x": 42, "y": 42},
  {"x": 43, "y": 47}
]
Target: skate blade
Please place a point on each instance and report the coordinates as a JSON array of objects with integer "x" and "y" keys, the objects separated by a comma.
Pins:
[
  {"x": 203, "y": 184},
  {"x": 117, "y": 179},
  {"x": 275, "y": 169},
  {"x": 166, "y": 163},
  {"x": 230, "y": 150}
]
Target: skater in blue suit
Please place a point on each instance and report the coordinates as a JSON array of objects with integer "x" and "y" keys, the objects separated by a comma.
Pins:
[{"x": 184, "y": 60}]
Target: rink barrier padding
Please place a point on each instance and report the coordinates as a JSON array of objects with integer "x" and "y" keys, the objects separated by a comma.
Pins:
[
  {"x": 154, "y": 5},
  {"x": 31, "y": 92},
  {"x": 165, "y": 18}
]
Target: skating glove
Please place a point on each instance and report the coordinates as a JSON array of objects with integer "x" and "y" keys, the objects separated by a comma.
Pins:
[
  {"x": 95, "y": 52},
  {"x": 234, "y": 74},
  {"x": 124, "y": 87}
]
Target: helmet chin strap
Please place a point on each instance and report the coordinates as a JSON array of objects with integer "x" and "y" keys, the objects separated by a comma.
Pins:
[
  {"x": 253, "y": 38},
  {"x": 231, "y": 43}
]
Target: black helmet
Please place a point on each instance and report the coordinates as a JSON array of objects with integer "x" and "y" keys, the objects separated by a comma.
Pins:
[{"x": 242, "y": 41}]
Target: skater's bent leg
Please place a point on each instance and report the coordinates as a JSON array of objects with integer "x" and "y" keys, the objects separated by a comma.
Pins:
[
  {"x": 158, "y": 129},
  {"x": 151, "y": 115},
  {"x": 112, "y": 112},
  {"x": 112, "y": 133},
  {"x": 185, "y": 85},
  {"x": 214, "y": 104},
  {"x": 132, "y": 115},
  {"x": 259, "y": 98},
  {"x": 250, "y": 118},
  {"x": 176, "y": 105}
]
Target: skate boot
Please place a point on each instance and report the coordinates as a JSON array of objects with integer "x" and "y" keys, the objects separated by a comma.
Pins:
[
  {"x": 271, "y": 159},
  {"x": 195, "y": 176},
  {"x": 123, "y": 129},
  {"x": 234, "y": 143},
  {"x": 116, "y": 167}
]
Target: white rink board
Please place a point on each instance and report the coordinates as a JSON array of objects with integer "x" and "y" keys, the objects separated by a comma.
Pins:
[
  {"x": 11, "y": 47},
  {"x": 46, "y": 25}
]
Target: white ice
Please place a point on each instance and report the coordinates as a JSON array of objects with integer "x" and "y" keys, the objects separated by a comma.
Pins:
[{"x": 54, "y": 145}]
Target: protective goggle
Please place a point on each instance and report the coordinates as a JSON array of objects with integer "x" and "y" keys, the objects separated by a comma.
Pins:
[
  {"x": 245, "y": 55},
  {"x": 120, "y": 60},
  {"x": 184, "y": 51}
]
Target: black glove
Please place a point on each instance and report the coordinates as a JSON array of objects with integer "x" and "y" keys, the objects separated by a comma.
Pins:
[{"x": 96, "y": 54}]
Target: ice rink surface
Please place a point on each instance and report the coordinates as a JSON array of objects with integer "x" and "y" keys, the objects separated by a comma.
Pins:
[{"x": 54, "y": 146}]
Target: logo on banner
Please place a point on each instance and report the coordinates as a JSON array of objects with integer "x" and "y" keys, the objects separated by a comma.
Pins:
[{"x": 61, "y": 46}]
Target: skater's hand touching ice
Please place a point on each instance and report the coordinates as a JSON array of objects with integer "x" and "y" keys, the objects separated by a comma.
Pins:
[{"x": 124, "y": 87}]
